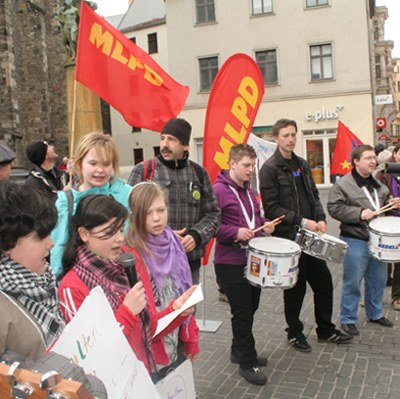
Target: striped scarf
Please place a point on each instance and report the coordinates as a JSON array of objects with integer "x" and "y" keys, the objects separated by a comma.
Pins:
[
  {"x": 36, "y": 292},
  {"x": 110, "y": 275}
]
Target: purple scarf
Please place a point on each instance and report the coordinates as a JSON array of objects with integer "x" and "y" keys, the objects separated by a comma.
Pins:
[
  {"x": 395, "y": 192},
  {"x": 94, "y": 270},
  {"x": 167, "y": 258}
]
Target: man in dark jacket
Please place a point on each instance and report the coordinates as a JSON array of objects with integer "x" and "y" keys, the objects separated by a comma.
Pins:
[
  {"x": 44, "y": 175},
  {"x": 192, "y": 207},
  {"x": 287, "y": 188}
]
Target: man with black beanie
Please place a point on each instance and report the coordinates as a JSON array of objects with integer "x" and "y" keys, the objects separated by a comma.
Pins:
[
  {"x": 192, "y": 207},
  {"x": 44, "y": 175}
]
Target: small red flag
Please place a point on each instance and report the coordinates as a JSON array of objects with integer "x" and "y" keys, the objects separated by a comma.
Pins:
[
  {"x": 345, "y": 143},
  {"x": 124, "y": 75}
]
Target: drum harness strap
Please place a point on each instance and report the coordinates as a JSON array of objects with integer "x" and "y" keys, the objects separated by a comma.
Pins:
[
  {"x": 375, "y": 204},
  {"x": 250, "y": 222}
]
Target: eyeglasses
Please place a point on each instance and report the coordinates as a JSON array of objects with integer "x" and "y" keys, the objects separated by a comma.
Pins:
[{"x": 371, "y": 158}]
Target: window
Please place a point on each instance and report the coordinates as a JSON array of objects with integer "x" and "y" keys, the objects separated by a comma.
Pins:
[
  {"x": 136, "y": 129},
  {"x": 266, "y": 61},
  {"x": 133, "y": 39},
  {"x": 397, "y": 127},
  {"x": 378, "y": 70},
  {"x": 261, "y": 6},
  {"x": 198, "y": 144},
  {"x": 152, "y": 43},
  {"x": 376, "y": 34},
  {"x": 205, "y": 11},
  {"x": 208, "y": 70},
  {"x": 321, "y": 62},
  {"x": 156, "y": 150},
  {"x": 314, "y": 3},
  {"x": 137, "y": 155}
]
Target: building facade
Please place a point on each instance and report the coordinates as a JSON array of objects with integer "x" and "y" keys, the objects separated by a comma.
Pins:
[
  {"x": 32, "y": 87},
  {"x": 315, "y": 56},
  {"x": 384, "y": 73},
  {"x": 322, "y": 61}
]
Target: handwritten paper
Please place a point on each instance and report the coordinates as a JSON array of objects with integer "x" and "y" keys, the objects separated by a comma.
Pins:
[
  {"x": 94, "y": 340},
  {"x": 194, "y": 299}
]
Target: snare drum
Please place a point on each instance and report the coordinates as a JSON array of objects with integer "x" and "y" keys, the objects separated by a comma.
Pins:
[
  {"x": 272, "y": 262},
  {"x": 322, "y": 246},
  {"x": 384, "y": 238}
]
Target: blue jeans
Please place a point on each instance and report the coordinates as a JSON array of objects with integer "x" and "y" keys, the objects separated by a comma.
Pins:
[{"x": 358, "y": 264}]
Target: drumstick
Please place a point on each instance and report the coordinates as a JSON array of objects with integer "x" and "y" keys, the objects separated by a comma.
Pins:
[
  {"x": 272, "y": 222},
  {"x": 380, "y": 211},
  {"x": 384, "y": 209}
]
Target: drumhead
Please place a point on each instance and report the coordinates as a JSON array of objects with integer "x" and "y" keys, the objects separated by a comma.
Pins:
[
  {"x": 389, "y": 225},
  {"x": 274, "y": 245},
  {"x": 329, "y": 238}
]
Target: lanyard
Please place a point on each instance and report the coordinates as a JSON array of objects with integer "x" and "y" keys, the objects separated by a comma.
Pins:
[
  {"x": 250, "y": 223},
  {"x": 375, "y": 204}
]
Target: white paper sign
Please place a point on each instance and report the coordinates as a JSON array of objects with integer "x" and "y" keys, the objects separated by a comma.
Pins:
[
  {"x": 195, "y": 298},
  {"x": 179, "y": 384},
  {"x": 94, "y": 341}
]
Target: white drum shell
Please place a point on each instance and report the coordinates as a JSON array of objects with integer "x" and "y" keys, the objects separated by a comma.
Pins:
[
  {"x": 272, "y": 262},
  {"x": 384, "y": 238}
]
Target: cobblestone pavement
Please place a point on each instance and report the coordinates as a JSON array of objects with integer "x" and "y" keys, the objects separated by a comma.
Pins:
[{"x": 367, "y": 368}]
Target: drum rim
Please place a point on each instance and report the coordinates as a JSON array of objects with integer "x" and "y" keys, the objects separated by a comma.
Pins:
[
  {"x": 250, "y": 247},
  {"x": 380, "y": 233},
  {"x": 276, "y": 254}
]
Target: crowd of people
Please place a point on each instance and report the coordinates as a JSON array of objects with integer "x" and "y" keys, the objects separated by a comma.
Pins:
[{"x": 67, "y": 230}]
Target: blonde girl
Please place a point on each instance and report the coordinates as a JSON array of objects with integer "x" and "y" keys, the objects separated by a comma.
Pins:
[
  {"x": 96, "y": 163},
  {"x": 165, "y": 272}
]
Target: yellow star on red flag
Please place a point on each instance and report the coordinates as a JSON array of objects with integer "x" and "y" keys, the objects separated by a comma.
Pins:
[{"x": 345, "y": 164}]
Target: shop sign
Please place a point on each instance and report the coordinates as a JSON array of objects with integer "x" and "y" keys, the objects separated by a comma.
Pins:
[
  {"x": 323, "y": 114},
  {"x": 383, "y": 99}
]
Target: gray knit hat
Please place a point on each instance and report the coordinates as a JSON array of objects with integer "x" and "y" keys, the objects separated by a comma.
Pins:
[{"x": 6, "y": 153}]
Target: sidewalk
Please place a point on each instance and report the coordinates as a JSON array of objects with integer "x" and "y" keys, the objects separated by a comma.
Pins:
[{"x": 367, "y": 368}]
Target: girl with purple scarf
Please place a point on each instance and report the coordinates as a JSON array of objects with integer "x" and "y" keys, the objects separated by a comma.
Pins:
[{"x": 164, "y": 270}]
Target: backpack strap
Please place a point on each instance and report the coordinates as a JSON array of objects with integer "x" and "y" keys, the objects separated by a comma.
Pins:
[
  {"x": 70, "y": 202},
  {"x": 198, "y": 170},
  {"x": 146, "y": 169}
]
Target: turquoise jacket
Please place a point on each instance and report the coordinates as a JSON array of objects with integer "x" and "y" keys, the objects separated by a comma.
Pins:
[{"x": 118, "y": 189}]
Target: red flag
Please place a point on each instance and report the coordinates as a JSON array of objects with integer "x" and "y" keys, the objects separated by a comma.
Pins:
[
  {"x": 124, "y": 75},
  {"x": 345, "y": 142},
  {"x": 235, "y": 96}
]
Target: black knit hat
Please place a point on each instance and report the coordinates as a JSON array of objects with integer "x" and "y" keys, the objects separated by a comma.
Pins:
[
  {"x": 6, "y": 154},
  {"x": 36, "y": 152},
  {"x": 179, "y": 128}
]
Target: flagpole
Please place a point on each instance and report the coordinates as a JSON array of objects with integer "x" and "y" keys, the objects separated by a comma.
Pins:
[{"x": 73, "y": 120}]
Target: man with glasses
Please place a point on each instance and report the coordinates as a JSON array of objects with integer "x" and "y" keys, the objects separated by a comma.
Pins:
[
  {"x": 354, "y": 200},
  {"x": 44, "y": 175}
]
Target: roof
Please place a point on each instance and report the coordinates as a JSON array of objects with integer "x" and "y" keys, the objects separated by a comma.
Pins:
[{"x": 143, "y": 13}]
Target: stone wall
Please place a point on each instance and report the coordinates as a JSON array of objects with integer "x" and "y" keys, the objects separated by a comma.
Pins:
[{"x": 32, "y": 76}]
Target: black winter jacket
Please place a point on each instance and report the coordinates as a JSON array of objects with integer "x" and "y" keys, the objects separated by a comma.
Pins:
[{"x": 280, "y": 197}]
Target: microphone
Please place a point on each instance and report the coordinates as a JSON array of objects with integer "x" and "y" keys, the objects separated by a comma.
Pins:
[{"x": 128, "y": 261}]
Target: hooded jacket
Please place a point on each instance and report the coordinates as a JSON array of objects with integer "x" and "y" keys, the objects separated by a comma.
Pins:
[{"x": 227, "y": 251}]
